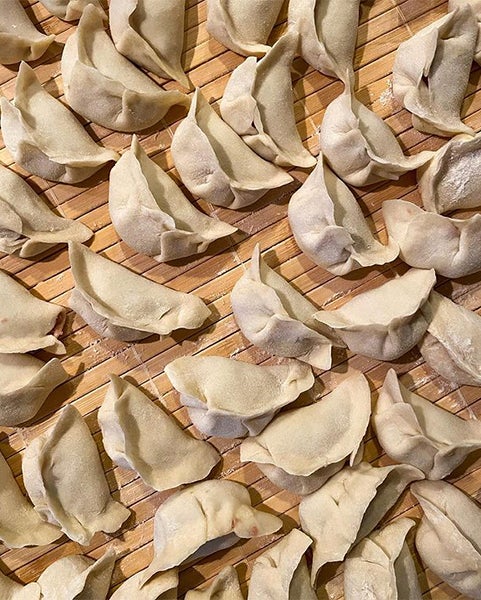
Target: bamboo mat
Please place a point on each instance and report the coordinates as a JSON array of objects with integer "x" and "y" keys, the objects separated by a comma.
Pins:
[{"x": 90, "y": 360}]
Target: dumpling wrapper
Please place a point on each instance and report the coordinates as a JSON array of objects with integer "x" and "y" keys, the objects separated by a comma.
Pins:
[
  {"x": 274, "y": 316},
  {"x": 103, "y": 86},
  {"x": 349, "y": 506},
  {"x": 19, "y": 39},
  {"x": 476, "y": 6},
  {"x": 11, "y": 590},
  {"x": 418, "y": 432},
  {"x": 302, "y": 448},
  {"x": 230, "y": 398},
  {"x": 225, "y": 587},
  {"x": 152, "y": 215},
  {"x": 122, "y": 305},
  {"x": 65, "y": 480},
  {"x": 243, "y": 26},
  {"x": 216, "y": 164},
  {"x": 44, "y": 137},
  {"x": 360, "y": 148},
  {"x": 431, "y": 72},
  {"x": 448, "y": 538},
  {"x": 383, "y": 565},
  {"x": 69, "y": 10},
  {"x": 258, "y": 104},
  {"x": 151, "y": 34},
  {"x": 329, "y": 226},
  {"x": 385, "y": 322},
  {"x": 20, "y": 524},
  {"x": 156, "y": 586},
  {"x": 139, "y": 435}
]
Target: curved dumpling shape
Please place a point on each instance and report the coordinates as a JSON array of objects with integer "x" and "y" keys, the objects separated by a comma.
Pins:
[
  {"x": 230, "y": 398},
  {"x": 243, "y": 26},
  {"x": 448, "y": 538},
  {"x": 122, "y": 305},
  {"x": 476, "y": 6},
  {"x": 152, "y": 215},
  {"x": 387, "y": 321},
  {"x": 11, "y": 590},
  {"x": 430, "y": 241},
  {"x": 225, "y": 587},
  {"x": 360, "y": 148},
  {"x": 44, "y": 137},
  {"x": 349, "y": 506},
  {"x": 19, "y": 39},
  {"x": 216, "y": 164},
  {"x": 274, "y": 316},
  {"x": 302, "y": 448},
  {"x": 329, "y": 227},
  {"x": 258, "y": 104},
  {"x": 64, "y": 478},
  {"x": 151, "y": 34},
  {"x": 415, "y": 431},
  {"x": 69, "y": 10},
  {"x": 157, "y": 586},
  {"x": 139, "y": 435},
  {"x": 104, "y": 87},
  {"x": 431, "y": 72},
  {"x": 382, "y": 563}
]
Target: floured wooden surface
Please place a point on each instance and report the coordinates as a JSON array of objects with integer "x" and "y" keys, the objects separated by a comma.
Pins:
[{"x": 90, "y": 360}]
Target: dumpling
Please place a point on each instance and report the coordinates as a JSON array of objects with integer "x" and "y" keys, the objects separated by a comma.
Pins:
[
  {"x": 19, "y": 39},
  {"x": 64, "y": 478},
  {"x": 104, "y": 87},
  {"x": 328, "y": 32},
  {"x": 20, "y": 524},
  {"x": 27, "y": 225},
  {"x": 418, "y": 432},
  {"x": 452, "y": 345},
  {"x": 448, "y": 538},
  {"x": 139, "y": 435},
  {"x": 349, "y": 506},
  {"x": 431, "y": 72},
  {"x": 382, "y": 563},
  {"x": 11, "y": 590},
  {"x": 302, "y": 448},
  {"x": 274, "y": 316},
  {"x": 151, "y": 34},
  {"x": 27, "y": 323},
  {"x": 216, "y": 164},
  {"x": 281, "y": 572},
  {"x": 157, "y": 586},
  {"x": 44, "y": 137},
  {"x": 225, "y": 587},
  {"x": 69, "y": 10},
  {"x": 230, "y": 398},
  {"x": 258, "y": 104},
  {"x": 329, "y": 227},
  {"x": 387, "y": 321},
  {"x": 430, "y": 241},
  {"x": 360, "y": 148},
  {"x": 125, "y": 306},
  {"x": 243, "y": 26},
  {"x": 25, "y": 384},
  {"x": 476, "y": 6},
  {"x": 152, "y": 215}
]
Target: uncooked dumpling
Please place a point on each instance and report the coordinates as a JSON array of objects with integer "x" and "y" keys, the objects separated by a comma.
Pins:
[
  {"x": 44, "y": 137},
  {"x": 104, "y": 87},
  {"x": 69, "y": 10},
  {"x": 243, "y": 26},
  {"x": 349, "y": 506},
  {"x": 120, "y": 304},
  {"x": 258, "y": 104},
  {"x": 19, "y": 39},
  {"x": 139, "y": 435},
  {"x": 430, "y": 241},
  {"x": 11, "y": 590},
  {"x": 387, "y": 321},
  {"x": 216, "y": 164},
  {"x": 152, "y": 215},
  {"x": 230, "y": 398},
  {"x": 149, "y": 585},
  {"x": 65, "y": 480},
  {"x": 302, "y": 448},
  {"x": 360, "y": 147},
  {"x": 476, "y": 6},
  {"x": 275, "y": 317},
  {"x": 151, "y": 34},
  {"x": 328, "y": 225},
  {"x": 431, "y": 72},
  {"x": 225, "y": 587},
  {"x": 416, "y": 431}
]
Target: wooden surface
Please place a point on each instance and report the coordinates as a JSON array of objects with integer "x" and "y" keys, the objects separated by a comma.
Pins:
[{"x": 90, "y": 360}]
